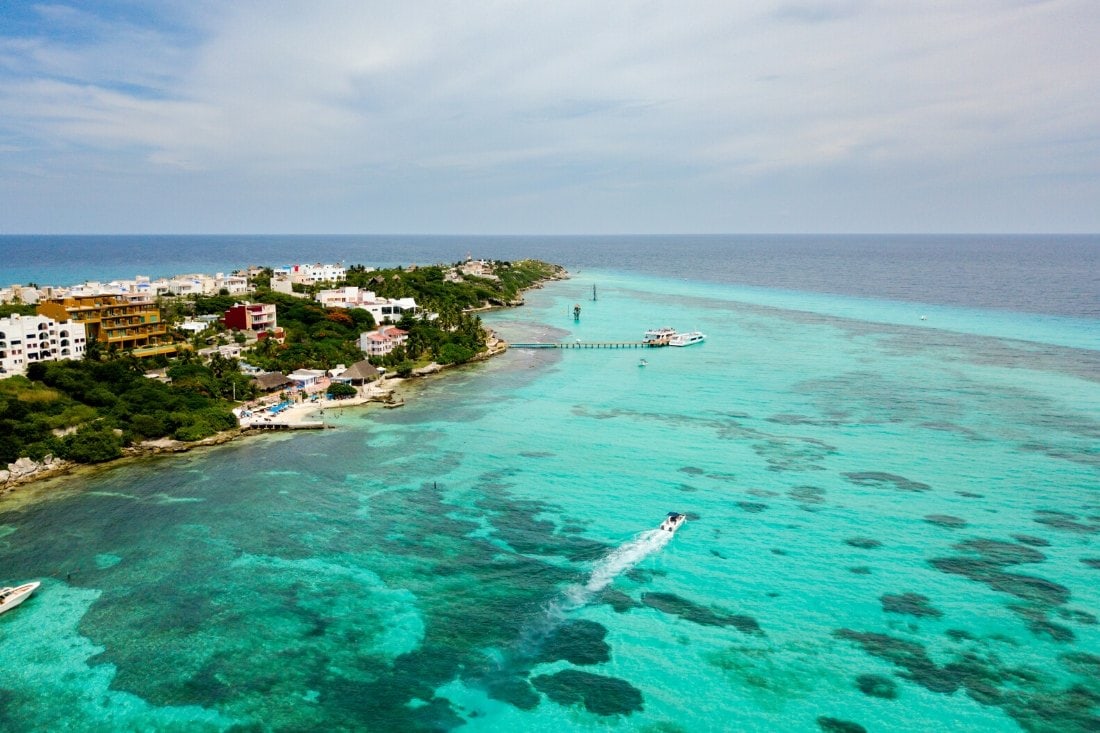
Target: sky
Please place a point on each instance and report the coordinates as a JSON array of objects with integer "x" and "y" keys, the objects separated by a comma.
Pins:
[{"x": 563, "y": 117}]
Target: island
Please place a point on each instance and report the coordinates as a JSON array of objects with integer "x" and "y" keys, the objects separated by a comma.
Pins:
[{"x": 135, "y": 367}]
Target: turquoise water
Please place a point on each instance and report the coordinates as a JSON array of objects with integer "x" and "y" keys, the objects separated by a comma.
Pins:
[{"x": 892, "y": 522}]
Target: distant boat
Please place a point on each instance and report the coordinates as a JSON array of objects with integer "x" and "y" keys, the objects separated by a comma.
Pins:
[
  {"x": 673, "y": 521},
  {"x": 924, "y": 318},
  {"x": 687, "y": 338},
  {"x": 12, "y": 596},
  {"x": 593, "y": 291},
  {"x": 643, "y": 363}
]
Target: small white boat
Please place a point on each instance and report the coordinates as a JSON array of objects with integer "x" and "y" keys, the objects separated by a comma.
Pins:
[
  {"x": 673, "y": 521},
  {"x": 643, "y": 363},
  {"x": 12, "y": 596},
  {"x": 687, "y": 338}
]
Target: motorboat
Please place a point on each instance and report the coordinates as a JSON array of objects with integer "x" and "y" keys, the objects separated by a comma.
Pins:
[
  {"x": 658, "y": 335},
  {"x": 643, "y": 363},
  {"x": 11, "y": 597},
  {"x": 687, "y": 338},
  {"x": 673, "y": 521}
]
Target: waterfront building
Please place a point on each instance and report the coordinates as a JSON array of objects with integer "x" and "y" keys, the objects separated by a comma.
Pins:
[
  {"x": 132, "y": 325},
  {"x": 382, "y": 341},
  {"x": 309, "y": 380},
  {"x": 28, "y": 339},
  {"x": 359, "y": 373},
  {"x": 384, "y": 310},
  {"x": 255, "y": 317}
]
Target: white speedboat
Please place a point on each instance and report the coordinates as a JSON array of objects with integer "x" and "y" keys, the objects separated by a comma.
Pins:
[
  {"x": 13, "y": 596},
  {"x": 658, "y": 335},
  {"x": 673, "y": 521},
  {"x": 687, "y": 338}
]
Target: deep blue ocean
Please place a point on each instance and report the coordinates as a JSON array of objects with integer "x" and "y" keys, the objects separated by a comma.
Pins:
[
  {"x": 1054, "y": 274},
  {"x": 888, "y": 449}
]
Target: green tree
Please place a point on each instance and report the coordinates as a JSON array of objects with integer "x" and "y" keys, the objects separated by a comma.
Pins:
[{"x": 92, "y": 444}]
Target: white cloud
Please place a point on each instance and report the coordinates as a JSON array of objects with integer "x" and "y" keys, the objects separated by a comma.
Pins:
[{"x": 702, "y": 91}]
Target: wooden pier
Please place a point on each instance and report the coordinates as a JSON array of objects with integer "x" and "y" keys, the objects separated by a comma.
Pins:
[{"x": 588, "y": 345}]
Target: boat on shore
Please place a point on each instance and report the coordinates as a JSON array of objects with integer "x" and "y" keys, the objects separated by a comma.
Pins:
[
  {"x": 687, "y": 338},
  {"x": 12, "y": 596},
  {"x": 673, "y": 521}
]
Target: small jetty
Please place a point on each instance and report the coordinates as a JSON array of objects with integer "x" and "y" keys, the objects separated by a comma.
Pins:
[{"x": 588, "y": 345}]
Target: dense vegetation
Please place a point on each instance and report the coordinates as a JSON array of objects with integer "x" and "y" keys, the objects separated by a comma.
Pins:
[{"x": 87, "y": 411}]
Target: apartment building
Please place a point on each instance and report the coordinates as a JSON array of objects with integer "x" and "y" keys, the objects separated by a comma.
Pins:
[
  {"x": 126, "y": 323},
  {"x": 27, "y": 339}
]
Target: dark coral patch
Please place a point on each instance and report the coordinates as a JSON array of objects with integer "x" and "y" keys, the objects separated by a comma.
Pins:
[
  {"x": 999, "y": 552},
  {"x": 599, "y": 694},
  {"x": 618, "y": 600},
  {"x": 970, "y": 495},
  {"x": 991, "y": 574},
  {"x": 877, "y": 685},
  {"x": 985, "y": 680},
  {"x": 687, "y": 488},
  {"x": 863, "y": 543},
  {"x": 1039, "y": 624},
  {"x": 1082, "y": 663},
  {"x": 676, "y": 606},
  {"x": 1092, "y": 562},
  {"x": 836, "y": 725},
  {"x": 692, "y": 516},
  {"x": 1064, "y": 521},
  {"x": 692, "y": 471},
  {"x": 946, "y": 520},
  {"x": 910, "y": 604},
  {"x": 905, "y": 654},
  {"x": 878, "y": 478},
  {"x": 579, "y": 641},
  {"x": 807, "y": 494},
  {"x": 1026, "y": 539},
  {"x": 752, "y": 507},
  {"x": 1078, "y": 616},
  {"x": 778, "y": 551},
  {"x": 514, "y": 691},
  {"x": 958, "y": 635},
  {"x": 860, "y": 570},
  {"x": 762, "y": 493}
]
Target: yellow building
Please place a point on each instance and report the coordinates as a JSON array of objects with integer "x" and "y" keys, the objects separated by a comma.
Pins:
[{"x": 133, "y": 326}]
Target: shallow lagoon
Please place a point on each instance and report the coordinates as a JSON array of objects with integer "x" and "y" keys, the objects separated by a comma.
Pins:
[{"x": 889, "y": 526}]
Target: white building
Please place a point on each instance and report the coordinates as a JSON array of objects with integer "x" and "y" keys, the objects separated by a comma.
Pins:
[
  {"x": 384, "y": 310},
  {"x": 311, "y": 274},
  {"x": 382, "y": 341},
  {"x": 27, "y": 339}
]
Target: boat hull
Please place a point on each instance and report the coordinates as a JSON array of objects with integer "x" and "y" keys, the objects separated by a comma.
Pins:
[{"x": 14, "y": 596}]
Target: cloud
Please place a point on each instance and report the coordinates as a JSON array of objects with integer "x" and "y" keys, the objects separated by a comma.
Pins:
[{"x": 687, "y": 94}]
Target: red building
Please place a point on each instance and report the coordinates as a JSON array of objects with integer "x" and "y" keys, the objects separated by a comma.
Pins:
[{"x": 251, "y": 317}]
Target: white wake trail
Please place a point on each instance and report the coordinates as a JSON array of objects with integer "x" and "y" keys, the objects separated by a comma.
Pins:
[{"x": 620, "y": 560}]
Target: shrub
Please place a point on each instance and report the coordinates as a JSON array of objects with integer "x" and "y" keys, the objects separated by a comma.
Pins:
[{"x": 92, "y": 444}]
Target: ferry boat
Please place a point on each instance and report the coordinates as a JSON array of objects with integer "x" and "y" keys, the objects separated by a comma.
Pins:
[
  {"x": 12, "y": 596},
  {"x": 673, "y": 521},
  {"x": 687, "y": 338},
  {"x": 658, "y": 336}
]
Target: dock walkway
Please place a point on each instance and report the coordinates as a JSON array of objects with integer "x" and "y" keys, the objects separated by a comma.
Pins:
[{"x": 588, "y": 345}]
